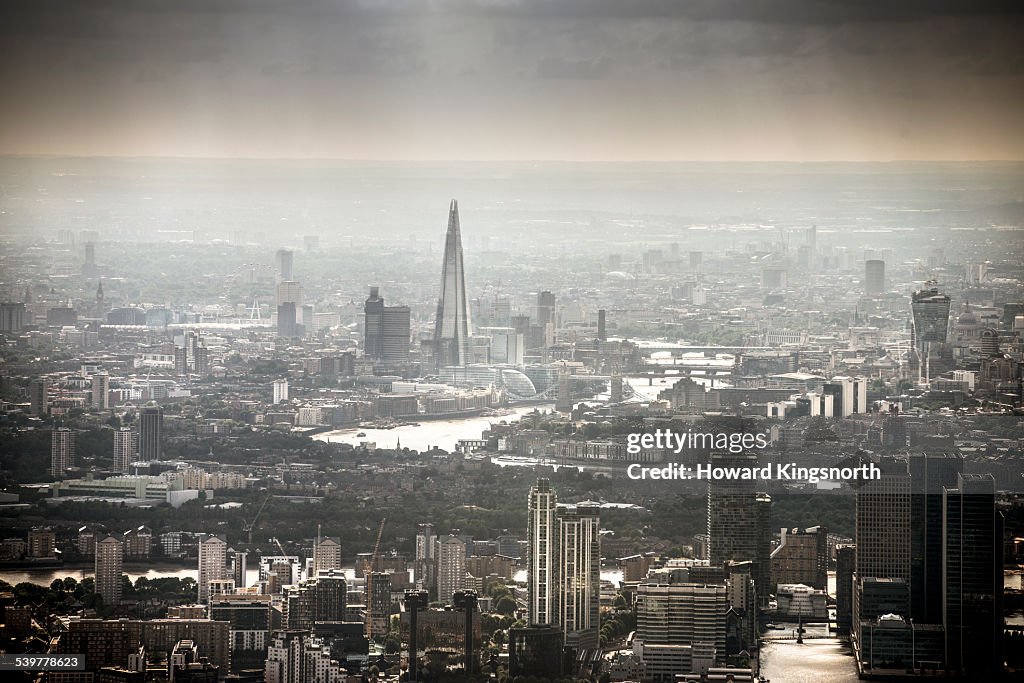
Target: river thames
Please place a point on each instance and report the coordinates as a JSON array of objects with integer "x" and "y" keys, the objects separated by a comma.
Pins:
[{"x": 428, "y": 434}]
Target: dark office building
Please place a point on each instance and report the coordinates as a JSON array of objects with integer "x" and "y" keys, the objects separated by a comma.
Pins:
[
  {"x": 930, "y": 311},
  {"x": 284, "y": 259},
  {"x": 89, "y": 266},
  {"x": 602, "y": 330},
  {"x": 535, "y": 651},
  {"x": 395, "y": 332},
  {"x": 287, "y": 325},
  {"x": 251, "y": 620},
  {"x": 973, "y": 573},
  {"x": 846, "y": 557},
  {"x": 13, "y": 317},
  {"x": 61, "y": 317},
  {"x": 373, "y": 332},
  {"x": 151, "y": 432},
  {"x": 545, "y": 308},
  {"x": 930, "y": 474},
  {"x": 874, "y": 277},
  {"x": 387, "y": 330},
  {"x": 126, "y": 316},
  {"x": 738, "y": 520},
  {"x": 1010, "y": 312},
  {"x": 331, "y": 594}
]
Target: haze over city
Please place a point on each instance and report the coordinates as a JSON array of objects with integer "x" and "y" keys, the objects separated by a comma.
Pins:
[{"x": 511, "y": 341}]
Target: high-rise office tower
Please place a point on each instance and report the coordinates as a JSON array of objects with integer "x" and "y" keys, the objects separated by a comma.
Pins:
[
  {"x": 762, "y": 569},
  {"x": 542, "y": 569},
  {"x": 930, "y": 310},
  {"x": 101, "y": 391},
  {"x": 874, "y": 277},
  {"x": 62, "y": 451},
  {"x": 602, "y": 332},
  {"x": 845, "y": 562},
  {"x": 452, "y": 326},
  {"x": 39, "y": 396},
  {"x": 972, "y": 550},
  {"x": 213, "y": 559},
  {"x": 545, "y": 308},
  {"x": 373, "y": 322},
  {"x": 387, "y": 330},
  {"x": 109, "y": 564},
  {"x": 883, "y": 539},
  {"x": 579, "y": 573},
  {"x": 151, "y": 432},
  {"x": 882, "y": 532},
  {"x": 395, "y": 332},
  {"x": 284, "y": 259},
  {"x": 930, "y": 475},
  {"x": 738, "y": 519},
  {"x": 287, "y": 321},
  {"x": 451, "y": 567},
  {"x": 89, "y": 266},
  {"x": 326, "y": 555},
  {"x": 290, "y": 292},
  {"x": 126, "y": 445},
  {"x": 100, "y": 308}
]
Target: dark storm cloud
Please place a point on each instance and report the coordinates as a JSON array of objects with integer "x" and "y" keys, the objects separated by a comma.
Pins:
[{"x": 408, "y": 77}]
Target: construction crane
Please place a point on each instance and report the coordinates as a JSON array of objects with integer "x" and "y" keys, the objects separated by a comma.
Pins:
[
  {"x": 371, "y": 564},
  {"x": 279, "y": 546},
  {"x": 251, "y": 525}
]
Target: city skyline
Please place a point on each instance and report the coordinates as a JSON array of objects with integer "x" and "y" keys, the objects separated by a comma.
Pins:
[
  {"x": 577, "y": 81},
  {"x": 724, "y": 378}
]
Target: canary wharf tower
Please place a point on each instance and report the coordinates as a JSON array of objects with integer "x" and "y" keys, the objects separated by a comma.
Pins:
[{"x": 451, "y": 329}]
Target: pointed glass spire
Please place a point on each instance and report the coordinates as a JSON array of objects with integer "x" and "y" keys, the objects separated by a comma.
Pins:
[{"x": 451, "y": 327}]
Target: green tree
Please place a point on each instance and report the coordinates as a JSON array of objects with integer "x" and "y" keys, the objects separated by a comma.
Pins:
[{"x": 506, "y": 605}]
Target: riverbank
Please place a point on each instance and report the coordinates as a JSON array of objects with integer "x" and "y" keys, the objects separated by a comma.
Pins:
[{"x": 44, "y": 576}]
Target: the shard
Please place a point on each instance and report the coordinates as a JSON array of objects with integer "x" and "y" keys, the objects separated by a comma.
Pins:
[{"x": 451, "y": 328}]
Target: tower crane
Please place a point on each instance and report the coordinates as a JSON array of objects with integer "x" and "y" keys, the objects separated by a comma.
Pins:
[
  {"x": 251, "y": 525},
  {"x": 371, "y": 564}
]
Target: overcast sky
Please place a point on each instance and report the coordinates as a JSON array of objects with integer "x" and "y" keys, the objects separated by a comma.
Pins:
[{"x": 505, "y": 79}]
